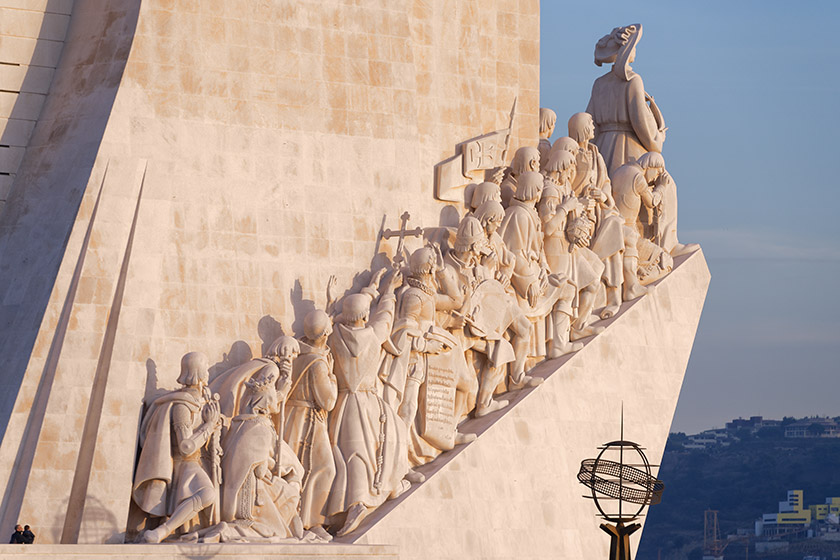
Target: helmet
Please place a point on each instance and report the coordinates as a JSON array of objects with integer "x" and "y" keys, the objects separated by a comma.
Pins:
[{"x": 469, "y": 233}]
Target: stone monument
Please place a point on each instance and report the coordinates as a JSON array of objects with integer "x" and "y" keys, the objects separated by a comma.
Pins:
[{"x": 209, "y": 184}]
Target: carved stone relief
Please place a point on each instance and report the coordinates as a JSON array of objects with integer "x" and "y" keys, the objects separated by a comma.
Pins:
[{"x": 305, "y": 442}]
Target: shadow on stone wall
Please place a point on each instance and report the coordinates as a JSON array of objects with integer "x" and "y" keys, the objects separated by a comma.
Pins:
[{"x": 38, "y": 219}]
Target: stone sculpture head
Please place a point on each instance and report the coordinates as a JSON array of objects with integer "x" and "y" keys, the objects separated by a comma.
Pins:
[
  {"x": 654, "y": 165},
  {"x": 194, "y": 370},
  {"x": 581, "y": 128},
  {"x": 490, "y": 214},
  {"x": 561, "y": 167},
  {"x": 564, "y": 144},
  {"x": 355, "y": 310},
  {"x": 619, "y": 47},
  {"x": 529, "y": 187},
  {"x": 483, "y": 192},
  {"x": 548, "y": 119},
  {"x": 422, "y": 262},
  {"x": 317, "y": 326},
  {"x": 470, "y": 240},
  {"x": 260, "y": 397},
  {"x": 526, "y": 158},
  {"x": 283, "y": 351}
]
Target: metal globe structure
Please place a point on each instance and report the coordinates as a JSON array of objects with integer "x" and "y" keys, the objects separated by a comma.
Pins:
[
  {"x": 621, "y": 485},
  {"x": 627, "y": 481}
]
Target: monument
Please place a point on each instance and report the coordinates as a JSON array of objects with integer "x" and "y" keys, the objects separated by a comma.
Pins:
[{"x": 215, "y": 346}]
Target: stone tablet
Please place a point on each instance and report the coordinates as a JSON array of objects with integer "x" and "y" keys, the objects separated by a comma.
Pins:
[{"x": 437, "y": 420}]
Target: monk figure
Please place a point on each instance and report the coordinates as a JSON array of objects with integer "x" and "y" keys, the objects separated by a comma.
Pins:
[
  {"x": 369, "y": 440},
  {"x": 312, "y": 396}
]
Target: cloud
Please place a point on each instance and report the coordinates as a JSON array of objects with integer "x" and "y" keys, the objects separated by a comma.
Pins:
[{"x": 751, "y": 244}]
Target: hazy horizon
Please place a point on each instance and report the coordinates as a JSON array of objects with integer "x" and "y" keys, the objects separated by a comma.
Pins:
[{"x": 751, "y": 104}]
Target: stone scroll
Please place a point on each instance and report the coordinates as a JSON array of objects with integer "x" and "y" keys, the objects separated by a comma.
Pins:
[{"x": 438, "y": 421}]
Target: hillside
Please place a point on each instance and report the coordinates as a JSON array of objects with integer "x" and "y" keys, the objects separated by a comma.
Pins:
[{"x": 741, "y": 481}]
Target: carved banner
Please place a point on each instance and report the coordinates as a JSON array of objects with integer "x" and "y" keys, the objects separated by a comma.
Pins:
[{"x": 485, "y": 152}]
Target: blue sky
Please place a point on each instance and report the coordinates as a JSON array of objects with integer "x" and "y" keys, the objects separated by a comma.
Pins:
[{"x": 750, "y": 93}]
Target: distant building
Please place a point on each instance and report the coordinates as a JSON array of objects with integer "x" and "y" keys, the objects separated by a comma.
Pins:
[
  {"x": 813, "y": 427},
  {"x": 738, "y": 423},
  {"x": 709, "y": 438},
  {"x": 753, "y": 424},
  {"x": 794, "y": 518}
]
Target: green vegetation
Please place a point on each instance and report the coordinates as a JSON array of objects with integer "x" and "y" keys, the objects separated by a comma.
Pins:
[{"x": 742, "y": 481}]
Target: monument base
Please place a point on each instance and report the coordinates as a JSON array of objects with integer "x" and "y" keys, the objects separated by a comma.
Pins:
[{"x": 197, "y": 551}]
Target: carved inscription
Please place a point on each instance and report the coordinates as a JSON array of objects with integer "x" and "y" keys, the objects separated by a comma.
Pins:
[{"x": 439, "y": 422}]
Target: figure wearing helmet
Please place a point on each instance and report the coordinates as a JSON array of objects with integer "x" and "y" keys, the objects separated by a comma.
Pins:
[
  {"x": 473, "y": 290},
  {"x": 500, "y": 261}
]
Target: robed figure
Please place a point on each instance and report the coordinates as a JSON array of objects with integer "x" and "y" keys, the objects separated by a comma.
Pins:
[
  {"x": 369, "y": 439},
  {"x": 262, "y": 480},
  {"x": 627, "y": 121}
]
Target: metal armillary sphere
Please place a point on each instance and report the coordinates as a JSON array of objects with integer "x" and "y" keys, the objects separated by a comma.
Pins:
[{"x": 621, "y": 489}]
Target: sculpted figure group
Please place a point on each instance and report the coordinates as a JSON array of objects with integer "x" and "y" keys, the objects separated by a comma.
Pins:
[{"x": 305, "y": 442}]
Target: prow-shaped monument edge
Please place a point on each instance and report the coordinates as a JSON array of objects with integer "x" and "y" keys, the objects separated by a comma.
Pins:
[{"x": 511, "y": 492}]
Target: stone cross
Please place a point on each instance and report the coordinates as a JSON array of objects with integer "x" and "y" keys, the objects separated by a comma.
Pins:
[{"x": 402, "y": 233}]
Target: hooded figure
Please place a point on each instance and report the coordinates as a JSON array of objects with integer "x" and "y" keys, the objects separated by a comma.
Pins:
[
  {"x": 625, "y": 125},
  {"x": 369, "y": 440},
  {"x": 312, "y": 396}
]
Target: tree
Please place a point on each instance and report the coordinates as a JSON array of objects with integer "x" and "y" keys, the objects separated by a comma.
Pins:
[
  {"x": 770, "y": 432},
  {"x": 816, "y": 429}
]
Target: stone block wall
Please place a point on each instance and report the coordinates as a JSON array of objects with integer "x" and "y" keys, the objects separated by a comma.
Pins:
[{"x": 199, "y": 170}]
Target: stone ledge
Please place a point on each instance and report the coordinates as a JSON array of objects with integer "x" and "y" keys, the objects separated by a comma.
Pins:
[{"x": 197, "y": 551}]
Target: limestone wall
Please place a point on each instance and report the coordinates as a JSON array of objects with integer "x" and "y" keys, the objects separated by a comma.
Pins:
[
  {"x": 31, "y": 40},
  {"x": 199, "y": 170}
]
